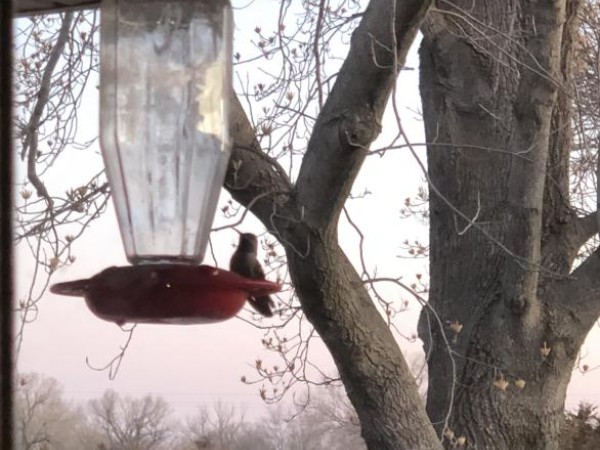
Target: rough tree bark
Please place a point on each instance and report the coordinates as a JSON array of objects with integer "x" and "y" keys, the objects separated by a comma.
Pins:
[
  {"x": 495, "y": 87},
  {"x": 495, "y": 80}
]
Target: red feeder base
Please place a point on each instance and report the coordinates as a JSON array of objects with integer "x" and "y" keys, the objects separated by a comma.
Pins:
[{"x": 165, "y": 293}]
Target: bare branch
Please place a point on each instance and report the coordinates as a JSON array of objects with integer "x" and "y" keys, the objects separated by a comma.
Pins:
[
  {"x": 351, "y": 117},
  {"x": 30, "y": 144},
  {"x": 114, "y": 364}
]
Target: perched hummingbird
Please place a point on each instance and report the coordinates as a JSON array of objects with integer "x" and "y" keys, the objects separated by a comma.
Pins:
[{"x": 244, "y": 263}]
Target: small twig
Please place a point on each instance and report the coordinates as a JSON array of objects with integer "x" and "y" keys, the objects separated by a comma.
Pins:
[
  {"x": 470, "y": 222},
  {"x": 114, "y": 364}
]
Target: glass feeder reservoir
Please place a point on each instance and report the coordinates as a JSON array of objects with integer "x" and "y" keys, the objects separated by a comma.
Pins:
[
  {"x": 164, "y": 107},
  {"x": 164, "y": 100}
]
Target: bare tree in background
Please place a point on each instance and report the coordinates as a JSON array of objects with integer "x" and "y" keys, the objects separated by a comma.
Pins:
[
  {"x": 130, "y": 423},
  {"x": 215, "y": 428},
  {"x": 47, "y": 422},
  {"x": 44, "y": 420},
  {"x": 581, "y": 429},
  {"x": 510, "y": 107},
  {"x": 326, "y": 420},
  {"x": 329, "y": 421}
]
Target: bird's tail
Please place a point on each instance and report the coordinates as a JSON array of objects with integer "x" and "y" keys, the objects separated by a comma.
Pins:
[{"x": 263, "y": 305}]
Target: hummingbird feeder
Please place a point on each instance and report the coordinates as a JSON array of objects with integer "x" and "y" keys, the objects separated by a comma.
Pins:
[{"x": 165, "y": 89}]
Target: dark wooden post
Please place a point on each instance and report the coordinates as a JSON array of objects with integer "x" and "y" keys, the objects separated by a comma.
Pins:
[{"x": 6, "y": 228}]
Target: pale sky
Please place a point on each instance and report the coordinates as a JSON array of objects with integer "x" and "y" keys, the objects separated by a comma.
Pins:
[{"x": 193, "y": 365}]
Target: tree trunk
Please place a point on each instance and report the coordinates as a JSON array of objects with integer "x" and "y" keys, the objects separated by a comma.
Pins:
[
  {"x": 494, "y": 78},
  {"x": 304, "y": 217}
]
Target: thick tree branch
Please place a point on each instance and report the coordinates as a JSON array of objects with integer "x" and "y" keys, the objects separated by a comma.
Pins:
[
  {"x": 598, "y": 188},
  {"x": 331, "y": 292},
  {"x": 581, "y": 230},
  {"x": 376, "y": 376},
  {"x": 582, "y": 289},
  {"x": 30, "y": 142},
  {"x": 556, "y": 189},
  {"x": 351, "y": 117},
  {"x": 560, "y": 248},
  {"x": 580, "y": 293},
  {"x": 253, "y": 178},
  {"x": 533, "y": 107}
]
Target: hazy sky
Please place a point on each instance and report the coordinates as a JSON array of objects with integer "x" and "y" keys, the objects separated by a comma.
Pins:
[{"x": 192, "y": 365}]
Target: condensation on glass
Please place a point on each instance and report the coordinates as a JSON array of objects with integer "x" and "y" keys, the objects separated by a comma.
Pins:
[{"x": 165, "y": 94}]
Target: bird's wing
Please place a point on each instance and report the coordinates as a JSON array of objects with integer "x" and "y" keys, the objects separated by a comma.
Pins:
[
  {"x": 237, "y": 264},
  {"x": 257, "y": 271}
]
